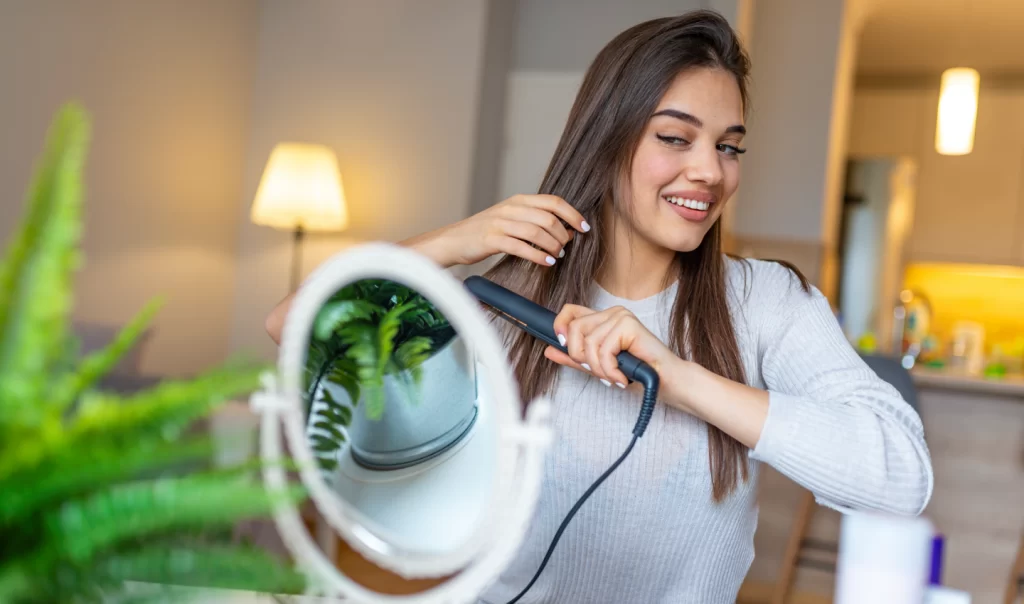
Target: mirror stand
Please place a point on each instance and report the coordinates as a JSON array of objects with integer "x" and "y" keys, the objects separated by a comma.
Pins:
[{"x": 514, "y": 445}]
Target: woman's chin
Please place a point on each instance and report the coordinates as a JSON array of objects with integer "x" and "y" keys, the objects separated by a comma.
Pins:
[{"x": 685, "y": 242}]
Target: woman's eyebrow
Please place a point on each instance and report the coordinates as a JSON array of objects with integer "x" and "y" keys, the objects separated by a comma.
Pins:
[{"x": 694, "y": 121}]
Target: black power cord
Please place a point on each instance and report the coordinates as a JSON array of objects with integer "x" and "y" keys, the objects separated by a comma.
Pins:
[
  {"x": 539, "y": 322},
  {"x": 644, "y": 374}
]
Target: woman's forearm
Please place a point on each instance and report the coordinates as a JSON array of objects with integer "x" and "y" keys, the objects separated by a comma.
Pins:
[
  {"x": 736, "y": 409},
  {"x": 432, "y": 246},
  {"x": 274, "y": 322}
]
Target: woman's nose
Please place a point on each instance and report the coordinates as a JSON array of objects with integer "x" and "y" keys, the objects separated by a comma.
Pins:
[{"x": 703, "y": 166}]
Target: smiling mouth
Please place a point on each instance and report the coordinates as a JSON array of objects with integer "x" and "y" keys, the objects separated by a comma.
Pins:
[{"x": 693, "y": 204}]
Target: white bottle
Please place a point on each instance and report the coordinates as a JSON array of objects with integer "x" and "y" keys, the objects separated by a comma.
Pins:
[
  {"x": 938, "y": 594},
  {"x": 883, "y": 558}
]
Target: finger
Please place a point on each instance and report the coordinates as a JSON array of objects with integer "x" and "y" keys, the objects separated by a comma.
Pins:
[
  {"x": 575, "y": 342},
  {"x": 556, "y": 355},
  {"x": 614, "y": 342},
  {"x": 569, "y": 313},
  {"x": 544, "y": 219},
  {"x": 561, "y": 208},
  {"x": 581, "y": 331},
  {"x": 593, "y": 343},
  {"x": 517, "y": 247},
  {"x": 533, "y": 234}
]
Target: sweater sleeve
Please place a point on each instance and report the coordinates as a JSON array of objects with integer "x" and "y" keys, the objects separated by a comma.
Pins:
[{"x": 833, "y": 425}]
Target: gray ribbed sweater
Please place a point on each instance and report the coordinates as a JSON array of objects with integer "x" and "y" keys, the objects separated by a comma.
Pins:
[{"x": 651, "y": 533}]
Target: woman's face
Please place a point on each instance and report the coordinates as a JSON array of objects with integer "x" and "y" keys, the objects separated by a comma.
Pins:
[{"x": 687, "y": 166}]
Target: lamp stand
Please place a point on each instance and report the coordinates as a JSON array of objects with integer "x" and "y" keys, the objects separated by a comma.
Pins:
[{"x": 296, "y": 257}]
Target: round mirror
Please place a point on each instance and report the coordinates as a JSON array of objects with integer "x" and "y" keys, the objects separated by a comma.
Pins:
[
  {"x": 398, "y": 404},
  {"x": 392, "y": 416}
]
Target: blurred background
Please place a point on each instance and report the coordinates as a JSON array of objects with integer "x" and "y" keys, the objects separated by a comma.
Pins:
[{"x": 895, "y": 184}]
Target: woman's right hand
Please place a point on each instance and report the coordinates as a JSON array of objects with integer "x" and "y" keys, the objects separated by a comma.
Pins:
[{"x": 513, "y": 227}]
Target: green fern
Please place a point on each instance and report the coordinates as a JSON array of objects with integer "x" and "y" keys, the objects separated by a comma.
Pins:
[
  {"x": 367, "y": 330},
  {"x": 95, "y": 488}
]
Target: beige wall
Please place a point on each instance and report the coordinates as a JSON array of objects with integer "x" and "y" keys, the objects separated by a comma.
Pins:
[
  {"x": 393, "y": 89},
  {"x": 188, "y": 97},
  {"x": 897, "y": 118},
  {"x": 167, "y": 84},
  {"x": 803, "y": 55}
]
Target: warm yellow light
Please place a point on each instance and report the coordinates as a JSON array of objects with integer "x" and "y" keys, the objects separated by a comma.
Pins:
[
  {"x": 301, "y": 188},
  {"x": 958, "y": 111}
]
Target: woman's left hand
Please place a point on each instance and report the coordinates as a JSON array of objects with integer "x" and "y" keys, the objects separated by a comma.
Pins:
[{"x": 593, "y": 338}]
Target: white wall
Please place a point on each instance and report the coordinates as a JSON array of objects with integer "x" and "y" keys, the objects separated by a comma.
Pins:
[
  {"x": 393, "y": 88},
  {"x": 803, "y": 55},
  {"x": 166, "y": 83},
  {"x": 900, "y": 119},
  {"x": 555, "y": 42}
]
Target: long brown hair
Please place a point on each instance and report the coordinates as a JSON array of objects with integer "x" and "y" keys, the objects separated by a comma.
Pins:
[{"x": 591, "y": 166}]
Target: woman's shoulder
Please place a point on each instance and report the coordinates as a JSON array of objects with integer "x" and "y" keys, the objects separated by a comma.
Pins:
[{"x": 767, "y": 283}]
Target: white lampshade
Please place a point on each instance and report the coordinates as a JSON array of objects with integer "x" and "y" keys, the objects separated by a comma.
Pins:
[
  {"x": 301, "y": 187},
  {"x": 958, "y": 111}
]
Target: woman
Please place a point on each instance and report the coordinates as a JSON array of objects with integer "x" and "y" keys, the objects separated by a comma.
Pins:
[{"x": 625, "y": 241}]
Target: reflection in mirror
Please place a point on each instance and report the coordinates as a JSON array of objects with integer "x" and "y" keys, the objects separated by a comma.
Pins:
[{"x": 394, "y": 419}]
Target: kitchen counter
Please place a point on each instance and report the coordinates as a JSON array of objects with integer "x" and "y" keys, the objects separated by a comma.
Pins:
[{"x": 931, "y": 378}]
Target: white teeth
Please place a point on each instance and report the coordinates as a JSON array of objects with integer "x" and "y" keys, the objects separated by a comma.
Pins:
[{"x": 689, "y": 203}]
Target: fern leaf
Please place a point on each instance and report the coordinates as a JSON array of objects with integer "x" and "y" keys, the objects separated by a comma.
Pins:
[
  {"x": 323, "y": 444},
  {"x": 413, "y": 352},
  {"x": 88, "y": 468},
  {"x": 343, "y": 377},
  {"x": 340, "y": 416},
  {"x": 215, "y": 567},
  {"x": 362, "y": 350},
  {"x": 36, "y": 272},
  {"x": 82, "y": 528},
  {"x": 330, "y": 429},
  {"x": 337, "y": 314},
  {"x": 98, "y": 364},
  {"x": 164, "y": 411},
  {"x": 164, "y": 571}
]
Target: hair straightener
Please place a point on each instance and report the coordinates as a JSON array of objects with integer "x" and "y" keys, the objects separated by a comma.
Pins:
[{"x": 539, "y": 322}]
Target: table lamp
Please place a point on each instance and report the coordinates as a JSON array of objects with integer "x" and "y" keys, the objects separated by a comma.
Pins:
[{"x": 300, "y": 191}]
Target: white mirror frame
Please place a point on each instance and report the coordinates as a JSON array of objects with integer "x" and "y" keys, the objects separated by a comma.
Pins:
[{"x": 521, "y": 443}]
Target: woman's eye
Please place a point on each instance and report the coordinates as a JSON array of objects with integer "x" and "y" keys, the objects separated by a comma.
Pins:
[
  {"x": 672, "y": 140},
  {"x": 730, "y": 149}
]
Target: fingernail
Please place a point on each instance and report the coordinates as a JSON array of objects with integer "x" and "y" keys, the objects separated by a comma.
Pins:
[
  {"x": 561, "y": 253},
  {"x": 606, "y": 383},
  {"x": 585, "y": 366},
  {"x": 620, "y": 384},
  {"x": 549, "y": 260},
  {"x": 585, "y": 226},
  {"x": 561, "y": 339}
]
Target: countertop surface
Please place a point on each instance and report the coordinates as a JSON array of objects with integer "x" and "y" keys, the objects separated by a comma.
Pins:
[{"x": 931, "y": 378}]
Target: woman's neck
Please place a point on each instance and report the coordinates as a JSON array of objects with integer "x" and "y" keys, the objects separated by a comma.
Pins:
[{"x": 634, "y": 267}]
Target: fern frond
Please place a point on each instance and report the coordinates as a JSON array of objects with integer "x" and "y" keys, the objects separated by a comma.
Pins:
[
  {"x": 99, "y": 363},
  {"x": 413, "y": 352},
  {"x": 340, "y": 416},
  {"x": 78, "y": 469},
  {"x": 162, "y": 411},
  {"x": 163, "y": 569},
  {"x": 345, "y": 376},
  {"x": 36, "y": 273},
  {"x": 363, "y": 352},
  {"x": 82, "y": 528},
  {"x": 216, "y": 567},
  {"x": 337, "y": 314}
]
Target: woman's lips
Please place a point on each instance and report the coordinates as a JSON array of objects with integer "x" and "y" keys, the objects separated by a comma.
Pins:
[{"x": 694, "y": 206}]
